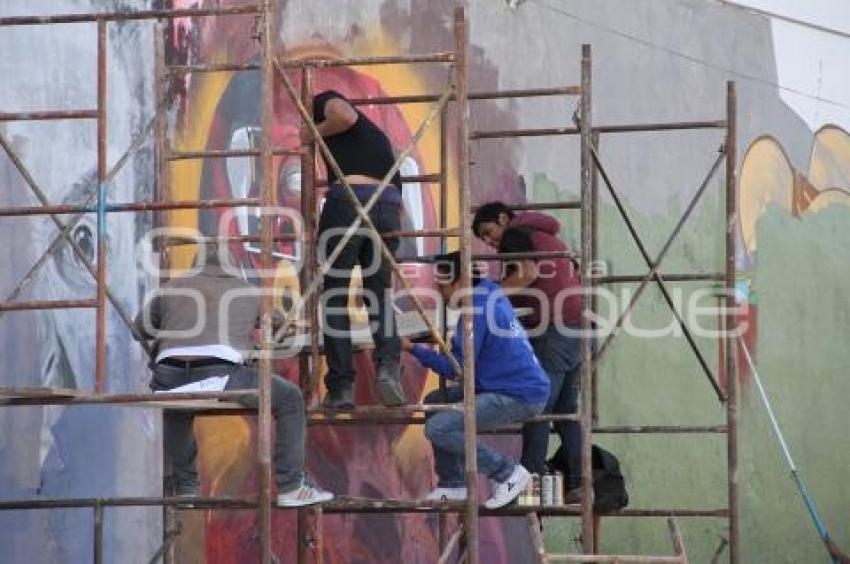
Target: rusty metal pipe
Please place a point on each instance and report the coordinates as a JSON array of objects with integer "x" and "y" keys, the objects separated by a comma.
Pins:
[
  {"x": 127, "y": 15},
  {"x": 624, "y": 128},
  {"x": 485, "y": 95},
  {"x": 101, "y": 266},
  {"x": 48, "y": 115},
  {"x": 361, "y": 61},
  {"x": 48, "y": 304},
  {"x": 687, "y": 277},
  {"x": 730, "y": 322}
]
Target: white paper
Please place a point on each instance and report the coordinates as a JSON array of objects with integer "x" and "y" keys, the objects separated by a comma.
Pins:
[{"x": 213, "y": 384}]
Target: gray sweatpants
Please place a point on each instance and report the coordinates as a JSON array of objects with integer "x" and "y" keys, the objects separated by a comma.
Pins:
[{"x": 287, "y": 408}]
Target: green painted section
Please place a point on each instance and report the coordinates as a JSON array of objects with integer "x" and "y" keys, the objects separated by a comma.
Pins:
[{"x": 804, "y": 313}]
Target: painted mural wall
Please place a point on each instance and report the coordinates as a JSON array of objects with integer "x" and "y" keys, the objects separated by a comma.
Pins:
[{"x": 793, "y": 261}]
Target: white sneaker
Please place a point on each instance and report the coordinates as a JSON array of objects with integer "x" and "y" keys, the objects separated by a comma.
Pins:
[
  {"x": 305, "y": 494},
  {"x": 510, "y": 489},
  {"x": 447, "y": 494}
]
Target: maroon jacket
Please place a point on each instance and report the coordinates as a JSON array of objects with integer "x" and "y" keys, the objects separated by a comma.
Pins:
[{"x": 554, "y": 275}]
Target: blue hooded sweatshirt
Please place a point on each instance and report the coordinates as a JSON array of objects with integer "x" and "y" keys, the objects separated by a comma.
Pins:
[{"x": 504, "y": 360}]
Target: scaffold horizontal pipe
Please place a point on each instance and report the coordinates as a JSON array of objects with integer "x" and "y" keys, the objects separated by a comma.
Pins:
[
  {"x": 63, "y": 209},
  {"x": 228, "y": 154},
  {"x": 692, "y": 277},
  {"x": 624, "y": 128},
  {"x": 446, "y": 57},
  {"x": 660, "y": 429},
  {"x": 214, "y": 67},
  {"x": 487, "y": 95},
  {"x": 106, "y": 399},
  {"x": 507, "y": 133},
  {"x": 529, "y": 206},
  {"x": 48, "y": 304},
  {"x": 128, "y": 15},
  {"x": 373, "y": 411},
  {"x": 666, "y": 126},
  {"x": 183, "y": 241},
  {"x": 448, "y": 232},
  {"x": 48, "y": 115},
  {"x": 614, "y": 559},
  {"x": 525, "y": 256},
  {"x": 427, "y": 178},
  {"x": 345, "y": 505}
]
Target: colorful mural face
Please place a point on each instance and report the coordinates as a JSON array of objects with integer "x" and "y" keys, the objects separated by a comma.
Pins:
[{"x": 221, "y": 112}]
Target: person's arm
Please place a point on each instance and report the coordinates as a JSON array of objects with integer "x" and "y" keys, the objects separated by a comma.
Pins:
[
  {"x": 340, "y": 116},
  {"x": 436, "y": 361}
]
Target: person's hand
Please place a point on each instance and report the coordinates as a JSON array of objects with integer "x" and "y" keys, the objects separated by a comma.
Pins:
[{"x": 406, "y": 345}]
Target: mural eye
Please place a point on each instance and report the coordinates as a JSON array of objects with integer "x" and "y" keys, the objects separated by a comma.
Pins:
[{"x": 84, "y": 238}]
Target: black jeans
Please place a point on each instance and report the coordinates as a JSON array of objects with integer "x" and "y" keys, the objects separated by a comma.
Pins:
[
  {"x": 337, "y": 215},
  {"x": 560, "y": 357},
  {"x": 181, "y": 450}
]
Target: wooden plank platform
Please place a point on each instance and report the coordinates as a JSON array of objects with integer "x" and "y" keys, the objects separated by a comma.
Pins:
[{"x": 37, "y": 392}]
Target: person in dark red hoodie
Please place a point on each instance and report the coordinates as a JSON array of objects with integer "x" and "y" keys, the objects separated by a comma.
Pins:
[{"x": 551, "y": 289}]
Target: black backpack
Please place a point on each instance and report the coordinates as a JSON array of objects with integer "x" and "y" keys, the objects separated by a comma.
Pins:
[{"x": 609, "y": 487}]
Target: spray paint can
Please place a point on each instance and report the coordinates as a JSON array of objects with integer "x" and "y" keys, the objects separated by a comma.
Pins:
[
  {"x": 558, "y": 486},
  {"x": 525, "y": 496},
  {"x": 535, "y": 490},
  {"x": 547, "y": 489}
]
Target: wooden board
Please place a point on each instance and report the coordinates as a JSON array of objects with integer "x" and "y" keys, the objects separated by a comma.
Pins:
[{"x": 37, "y": 392}]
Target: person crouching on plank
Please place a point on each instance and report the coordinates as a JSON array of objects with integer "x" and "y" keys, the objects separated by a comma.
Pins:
[{"x": 510, "y": 387}]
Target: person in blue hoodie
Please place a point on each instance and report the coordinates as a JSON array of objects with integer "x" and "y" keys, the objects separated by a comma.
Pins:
[{"x": 510, "y": 387}]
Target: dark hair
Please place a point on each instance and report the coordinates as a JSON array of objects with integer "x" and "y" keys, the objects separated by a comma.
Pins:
[
  {"x": 447, "y": 267},
  {"x": 516, "y": 240},
  {"x": 319, "y": 101},
  {"x": 489, "y": 212}
]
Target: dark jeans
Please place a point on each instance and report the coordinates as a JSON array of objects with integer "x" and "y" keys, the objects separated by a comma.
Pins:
[
  {"x": 181, "y": 450},
  {"x": 377, "y": 282},
  {"x": 445, "y": 430},
  {"x": 560, "y": 357}
]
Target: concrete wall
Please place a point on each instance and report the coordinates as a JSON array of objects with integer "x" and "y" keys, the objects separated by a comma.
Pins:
[{"x": 659, "y": 60}]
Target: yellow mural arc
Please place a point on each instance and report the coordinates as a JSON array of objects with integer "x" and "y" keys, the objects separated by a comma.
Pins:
[
  {"x": 829, "y": 163},
  {"x": 767, "y": 177}
]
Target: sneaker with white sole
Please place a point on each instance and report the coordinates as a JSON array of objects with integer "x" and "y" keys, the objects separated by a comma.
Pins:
[
  {"x": 507, "y": 491},
  {"x": 447, "y": 494},
  {"x": 305, "y": 494}
]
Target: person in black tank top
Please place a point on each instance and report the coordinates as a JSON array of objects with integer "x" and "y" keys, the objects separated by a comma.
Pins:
[{"x": 363, "y": 152}]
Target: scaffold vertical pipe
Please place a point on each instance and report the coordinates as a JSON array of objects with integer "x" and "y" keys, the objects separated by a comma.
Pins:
[
  {"x": 310, "y": 258},
  {"x": 308, "y": 268},
  {"x": 587, "y": 258},
  {"x": 304, "y": 274},
  {"x": 594, "y": 252},
  {"x": 460, "y": 68},
  {"x": 163, "y": 184},
  {"x": 442, "y": 518},
  {"x": 731, "y": 148},
  {"x": 98, "y": 534},
  {"x": 266, "y": 284},
  {"x": 100, "y": 323},
  {"x": 162, "y": 193},
  {"x": 444, "y": 222}
]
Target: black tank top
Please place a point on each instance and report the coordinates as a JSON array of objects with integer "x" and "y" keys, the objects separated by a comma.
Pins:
[{"x": 362, "y": 149}]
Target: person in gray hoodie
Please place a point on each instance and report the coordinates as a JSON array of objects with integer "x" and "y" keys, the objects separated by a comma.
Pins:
[{"x": 201, "y": 324}]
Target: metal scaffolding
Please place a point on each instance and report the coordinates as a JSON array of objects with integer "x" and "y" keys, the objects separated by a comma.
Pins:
[{"x": 273, "y": 69}]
